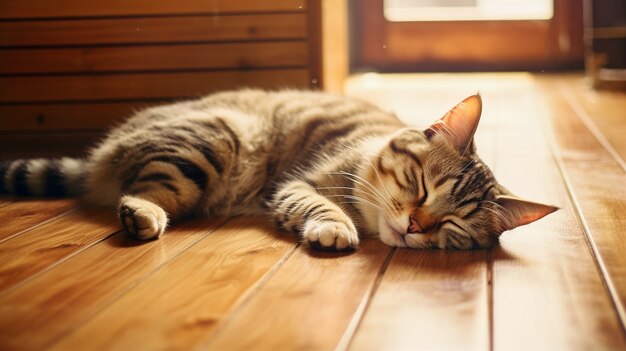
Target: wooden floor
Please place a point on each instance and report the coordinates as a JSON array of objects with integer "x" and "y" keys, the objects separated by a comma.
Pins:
[{"x": 70, "y": 280}]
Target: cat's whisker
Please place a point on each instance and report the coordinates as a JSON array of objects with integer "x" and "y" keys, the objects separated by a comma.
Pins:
[
  {"x": 500, "y": 207},
  {"x": 467, "y": 165},
  {"x": 504, "y": 212},
  {"x": 365, "y": 184},
  {"x": 386, "y": 201},
  {"x": 382, "y": 183},
  {"x": 359, "y": 199},
  {"x": 372, "y": 165},
  {"x": 506, "y": 220},
  {"x": 364, "y": 191},
  {"x": 364, "y": 153},
  {"x": 358, "y": 202}
]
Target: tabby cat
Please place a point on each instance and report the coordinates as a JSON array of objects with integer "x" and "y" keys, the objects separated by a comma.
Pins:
[{"x": 326, "y": 167}]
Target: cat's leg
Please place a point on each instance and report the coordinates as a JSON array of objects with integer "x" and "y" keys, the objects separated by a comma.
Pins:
[
  {"x": 298, "y": 207},
  {"x": 159, "y": 194}
]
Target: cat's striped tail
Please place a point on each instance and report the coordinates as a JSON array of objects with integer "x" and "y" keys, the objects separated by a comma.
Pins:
[{"x": 42, "y": 177}]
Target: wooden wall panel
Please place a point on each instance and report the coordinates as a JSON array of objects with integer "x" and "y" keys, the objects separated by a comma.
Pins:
[
  {"x": 142, "y": 86},
  {"x": 57, "y": 144},
  {"x": 155, "y": 57},
  {"x": 50, "y": 117},
  {"x": 10, "y": 9},
  {"x": 153, "y": 30},
  {"x": 69, "y": 68}
]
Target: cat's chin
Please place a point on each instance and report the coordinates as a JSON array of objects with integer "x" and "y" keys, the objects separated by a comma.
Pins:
[{"x": 389, "y": 235}]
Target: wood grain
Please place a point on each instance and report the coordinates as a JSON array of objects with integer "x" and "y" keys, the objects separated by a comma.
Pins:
[
  {"x": 307, "y": 304},
  {"x": 42, "y": 310},
  {"x": 411, "y": 46},
  {"x": 55, "y": 117},
  {"x": 598, "y": 182},
  {"x": 547, "y": 291},
  {"x": 141, "y": 86},
  {"x": 58, "y": 144},
  {"x": 36, "y": 250},
  {"x": 155, "y": 58},
  {"x": 181, "y": 304},
  {"x": 20, "y": 216},
  {"x": 152, "y": 30},
  {"x": 428, "y": 300},
  {"x": 314, "y": 41},
  {"x": 76, "y": 8},
  {"x": 602, "y": 111}
]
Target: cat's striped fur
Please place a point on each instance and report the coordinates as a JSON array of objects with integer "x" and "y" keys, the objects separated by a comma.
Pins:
[{"x": 324, "y": 166}]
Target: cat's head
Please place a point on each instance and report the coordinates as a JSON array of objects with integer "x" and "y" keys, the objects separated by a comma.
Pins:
[{"x": 434, "y": 191}]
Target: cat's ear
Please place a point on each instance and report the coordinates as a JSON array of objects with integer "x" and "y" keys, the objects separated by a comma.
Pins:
[
  {"x": 516, "y": 212},
  {"x": 459, "y": 124}
]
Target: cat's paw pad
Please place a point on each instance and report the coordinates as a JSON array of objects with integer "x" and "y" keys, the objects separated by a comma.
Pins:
[
  {"x": 142, "y": 219},
  {"x": 330, "y": 236}
]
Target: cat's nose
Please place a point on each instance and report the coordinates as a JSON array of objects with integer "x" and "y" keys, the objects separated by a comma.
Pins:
[
  {"x": 421, "y": 222},
  {"x": 414, "y": 227}
]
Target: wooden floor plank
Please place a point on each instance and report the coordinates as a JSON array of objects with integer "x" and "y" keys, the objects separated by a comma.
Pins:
[
  {"x": 598, "y": 183},
  {"x": 39, "y": 312},
  {"x": 5, "y": 200},
  {"x": 604, "y": 110},
  {"x": 43, "y": 246},
  {"x": 547, "y": 291},
  {"x": 128, "y": 86},
  {"x": 429, "y": 300},
  {"x": 18, "y": 216},
  {"x": 307, "y": 304},
  {"x": 182, "y": 303}
]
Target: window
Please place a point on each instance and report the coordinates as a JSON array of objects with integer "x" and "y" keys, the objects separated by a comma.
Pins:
[{"x": 467, "y": 10}]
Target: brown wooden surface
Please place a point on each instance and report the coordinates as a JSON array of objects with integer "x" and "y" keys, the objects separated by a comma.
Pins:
[
  {"x": 152, "y": 30},
  {"x": 33, "y": 251},
  {"x": 55, "y": 117},
  {"x": 17, "y": 217},
  {"x": 550, "y": 259},
  {"x": 59, "y": 144},
  {"x": 72, "y": 283},
  {"x": 75, "y": 8},
  {"x": 70, "y": 294},
  {"x": 143, "y": 86},
  {"x": 423, "y": 292},
  {"x": 335, "y": 44},
  {"x": 155, "y": 58},
  {"x": 196, "y": 291},
  {"x": 596, "y": 177},
  {"x": 461, "y": 45},
  {"x": 602, "y": 111},
  {"x": 71, "y": 69},
  {"x": 307, "y": 305},
  {"x": 314, "y": 42}
]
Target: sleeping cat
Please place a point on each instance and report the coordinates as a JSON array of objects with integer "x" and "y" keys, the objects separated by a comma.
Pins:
[{"x": 325, "y": 167}]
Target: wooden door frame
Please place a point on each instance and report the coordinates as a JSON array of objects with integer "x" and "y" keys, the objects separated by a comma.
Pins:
[{"x": 533, "y": 45}]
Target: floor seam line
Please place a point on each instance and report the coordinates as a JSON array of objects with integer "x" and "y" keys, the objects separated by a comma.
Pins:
[
  {"x": 348, "y": 337},
  {"x": 597, "y": 258}
]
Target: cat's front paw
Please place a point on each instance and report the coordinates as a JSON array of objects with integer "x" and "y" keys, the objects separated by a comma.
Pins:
[
  {"x": 142, "y": 219},
  {"x": 330, "y": 236}
]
